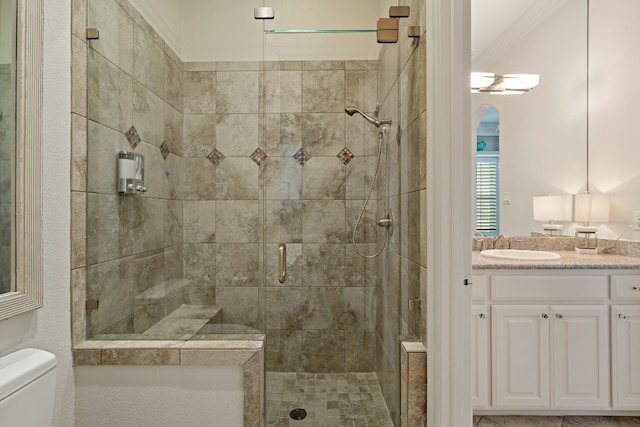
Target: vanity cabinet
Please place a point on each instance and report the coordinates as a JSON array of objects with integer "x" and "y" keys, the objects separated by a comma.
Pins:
[
  {"x": 556, "y": 342},
  {"x": 480, "y": 327},
  {"x": 625, "y": 341}
]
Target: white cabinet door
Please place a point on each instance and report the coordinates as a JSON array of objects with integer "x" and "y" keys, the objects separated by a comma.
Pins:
[
  {"x": 580, "y": 356},
  {"x": 480, "y": 356},
  {"x": 520, "y": 356},
  {"x": 625, "y": 343}
]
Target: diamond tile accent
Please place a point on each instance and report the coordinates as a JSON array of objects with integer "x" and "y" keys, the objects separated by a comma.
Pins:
[
  {"x": 302, "y": 156},
  {"x": 345, "y": 155},
  {"x": 164, "y": 149},
  {"x": 133, "y": 137},
  {"x": 215, "y": 156},
  {"x": 258, "y": 156}
]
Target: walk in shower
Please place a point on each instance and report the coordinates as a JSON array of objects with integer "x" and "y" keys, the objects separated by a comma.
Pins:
[{"x": 246, "y": 180}]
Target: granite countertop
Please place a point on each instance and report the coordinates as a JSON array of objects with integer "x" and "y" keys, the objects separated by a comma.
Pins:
[{"x": 568, "y": 260}]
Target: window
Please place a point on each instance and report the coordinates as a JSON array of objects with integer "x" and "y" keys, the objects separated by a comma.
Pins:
[{"x": 487, "y": 215}]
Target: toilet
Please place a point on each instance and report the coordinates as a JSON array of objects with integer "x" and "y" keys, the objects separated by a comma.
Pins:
[{"x": 27, "y": 388}]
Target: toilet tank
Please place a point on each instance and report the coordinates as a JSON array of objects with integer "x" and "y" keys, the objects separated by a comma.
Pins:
[{"x": 27, "y": 388}]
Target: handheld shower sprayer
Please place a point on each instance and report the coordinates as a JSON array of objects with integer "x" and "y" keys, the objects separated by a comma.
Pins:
[{"x": 377, "y": 123}]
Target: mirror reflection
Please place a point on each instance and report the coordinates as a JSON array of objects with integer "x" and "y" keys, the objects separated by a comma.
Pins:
[
  {"x": 7, "y": 138},
  {"x": 542, "y": 133},
  {"x": 545, "y": 148}
]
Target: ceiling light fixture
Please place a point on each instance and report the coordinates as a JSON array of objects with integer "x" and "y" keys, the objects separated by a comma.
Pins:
[{"x": 503, "y": 84}]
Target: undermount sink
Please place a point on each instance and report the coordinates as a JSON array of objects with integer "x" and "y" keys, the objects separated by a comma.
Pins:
[{"x": 520, "y": 255}]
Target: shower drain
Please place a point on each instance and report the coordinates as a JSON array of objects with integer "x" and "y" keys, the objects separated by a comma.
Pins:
[{"x": 298, "y": 414}]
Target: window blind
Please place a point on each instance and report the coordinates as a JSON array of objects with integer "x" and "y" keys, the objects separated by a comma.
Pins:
[{"x": 487, "y": 197}]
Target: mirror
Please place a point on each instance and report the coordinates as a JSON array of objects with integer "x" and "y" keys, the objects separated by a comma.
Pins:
[
  {"x": 20, "y": 156},
  {"x": 542, "y": 133}
]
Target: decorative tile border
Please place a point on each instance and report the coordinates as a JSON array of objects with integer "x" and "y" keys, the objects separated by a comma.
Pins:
[
  {"x": 345, "y": 155},
  {"x": 164, "y": 150},
  {"x": 302, "y": 156},
  {"x": 133, "y": 137},
  {"x": 247, "y": 353},
  {"x": 215, "y": 156},
  {"x": 258, "y": 156}
]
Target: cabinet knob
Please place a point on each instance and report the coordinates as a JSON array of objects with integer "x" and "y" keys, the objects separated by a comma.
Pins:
[
  {"x": 545, "y": 315},
  {"x": 559, "y": 316},
  {"x": 621, "y": 316},
  {"x": 482, "y": 315},
  {"x": 636, "y": 288}
]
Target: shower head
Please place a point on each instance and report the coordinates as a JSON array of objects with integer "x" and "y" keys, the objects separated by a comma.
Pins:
[{"x": 377, "y": 123}]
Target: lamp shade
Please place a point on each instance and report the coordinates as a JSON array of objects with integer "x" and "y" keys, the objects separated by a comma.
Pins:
[
  {"x": 556, "y": 208},
  {"x": 591, "y": 208}
]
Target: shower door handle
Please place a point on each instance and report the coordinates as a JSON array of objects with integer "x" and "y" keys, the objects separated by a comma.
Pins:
[{"x": 282, "y": 262}]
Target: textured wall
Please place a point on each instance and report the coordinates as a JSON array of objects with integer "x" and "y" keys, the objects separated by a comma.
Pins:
[{"x": 401, "y": 284}]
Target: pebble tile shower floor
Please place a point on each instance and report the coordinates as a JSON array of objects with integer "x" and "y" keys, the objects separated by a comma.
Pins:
[{"x": 330, "y": 400}]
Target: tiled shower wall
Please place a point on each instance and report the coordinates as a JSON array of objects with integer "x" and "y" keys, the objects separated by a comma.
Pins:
[
  {"x": 247, "y": 191},
  {"x": 226, "y": 194},
  {"x": 401, "y": 288},
  {"x": 134, "y": 103},
  {"x": 7, "y": 132}
]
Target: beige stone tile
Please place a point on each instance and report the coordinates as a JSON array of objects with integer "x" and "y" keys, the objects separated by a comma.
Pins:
[
  {"x": 110, "y": 94},
  {"x": 102, "y": 143},
  {"x": 283, "y": 90},
  {"x": 78, "y": 310},
  {"x": 236, "y": 134},
  {"x": 173, "y": 223},
  {"x": 323, "y": 133},
  {"x": 109, "y": 227},
  {"x": 199, "y": 179},
  {"x": 200, "y": 66},
  {"x": 148, "y": 62},
  {"x": 241, "y": 305},
  {"x": 78, "y": 153},
  {"x": 199, "y": 221},
  {"x": 87, "y": 357},
  {"x": 174, "y": 81},
  {"x": 148, "y": 224},
  {"x": 199, "y": 92},
  {"x": 116, "y": 33},
  {"x": 283, "y": 221},
  {"x": 173, "y": 130},
  {"x": 237, "y": 179},
  {"x": 111, "y": 283},
  {"x": 78, "y": 229},
  {"x": 367, "y": 231},
  {"x": 323, "y": 178},
  {"x": 78, "y": 76},
  {"x": 238, "y": 265},
  {"x": 148, "y": 115},
  {"x": 79, "y": 18},
  {"x": 123, "y": 356},
  {"x": 199, "y": 135},
  {"x": 283, "y": 134},
  {"x": 215, "y": 357},
  {"x": 237, "y": 91},
  {"x": 237, "y": 221},
  {"x": 282, "y": 178},
  {"x": 199, "y": 264},
  {"x": 323, "y": 221},
  {"x": 323, "y": 264}
]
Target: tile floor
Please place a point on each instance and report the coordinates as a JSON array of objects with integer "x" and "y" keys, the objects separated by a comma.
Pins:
[
  {"x": 568, "y": 421},
  {"x": 330, "y": 400}
]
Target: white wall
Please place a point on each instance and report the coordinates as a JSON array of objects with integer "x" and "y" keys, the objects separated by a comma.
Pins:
[
  {"x": 614, "y": 109},
  {"x": 49, "y": 327},
  {"x": 542, "y": 133},
  {"x": 159, "y": 396},
  {"x": 220, "y": 30},
  {"x": 165, "y": 16}
]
